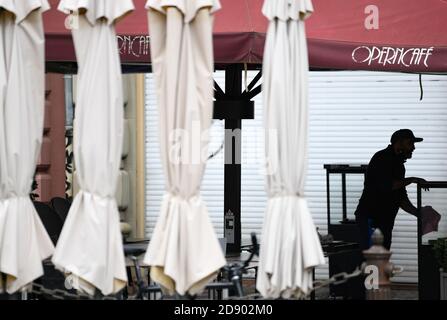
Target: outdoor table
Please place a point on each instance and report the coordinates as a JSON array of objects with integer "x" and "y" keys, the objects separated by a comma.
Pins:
[
  {"x": 338, "y": 247},
  {"x": 135, "y": 247}
]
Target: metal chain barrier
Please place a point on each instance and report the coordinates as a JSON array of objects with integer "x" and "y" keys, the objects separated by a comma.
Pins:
[
  {"x": 337, "y": 279},
  {"x": 233, "y": 273},
  {"x": 59, "y": 294}
]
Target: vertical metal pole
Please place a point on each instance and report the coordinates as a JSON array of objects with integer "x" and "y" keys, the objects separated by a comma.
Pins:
[
  {"x": 328, "y": 200},
  {"x": 343, "y": 196},
  {"x": 232, "y": 188},
  {"x": 419, "y": 236}
]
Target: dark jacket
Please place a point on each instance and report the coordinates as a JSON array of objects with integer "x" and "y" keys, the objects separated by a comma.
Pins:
[{"x": 378, "y": 201}]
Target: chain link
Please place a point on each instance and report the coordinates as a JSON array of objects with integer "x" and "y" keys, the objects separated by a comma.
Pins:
[{"x": 337, "y": 279}]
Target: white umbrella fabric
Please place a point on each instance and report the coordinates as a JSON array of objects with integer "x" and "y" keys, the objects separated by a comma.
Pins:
[
  {"x": 90, "y": 246},
  {"x": 24, "y": 242},
  {"x": 290, "y": 247},
  {"x": 184, "y": 253}
]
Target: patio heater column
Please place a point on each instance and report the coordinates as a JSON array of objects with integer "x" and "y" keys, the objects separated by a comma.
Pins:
[{"x": 232, "y": 189}]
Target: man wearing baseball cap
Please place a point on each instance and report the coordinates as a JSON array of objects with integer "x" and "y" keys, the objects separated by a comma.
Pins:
[{"x": 384, "y": 188}]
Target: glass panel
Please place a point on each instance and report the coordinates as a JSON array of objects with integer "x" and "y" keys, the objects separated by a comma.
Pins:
[
  {"x": 335, "y": 198},
  {"x": 354, "y": 188}
]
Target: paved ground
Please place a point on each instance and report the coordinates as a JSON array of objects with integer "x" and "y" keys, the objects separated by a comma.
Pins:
[
  {"x": 397, "y": 293},
  {"x": 405, "y": 294}
]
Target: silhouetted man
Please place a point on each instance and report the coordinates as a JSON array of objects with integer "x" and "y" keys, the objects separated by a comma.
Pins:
[{"x": 384, "y": 188}]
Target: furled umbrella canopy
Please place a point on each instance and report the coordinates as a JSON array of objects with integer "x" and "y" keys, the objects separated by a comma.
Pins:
[
  {"x": 290, "y": 247},
  {"x": 184, "y": 253},
  {"x": 24, "y": 242},
  {"x": 90, "y": 246}
]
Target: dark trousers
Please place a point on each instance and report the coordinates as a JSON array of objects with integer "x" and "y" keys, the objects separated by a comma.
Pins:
[{"x": 366, "y": 225}]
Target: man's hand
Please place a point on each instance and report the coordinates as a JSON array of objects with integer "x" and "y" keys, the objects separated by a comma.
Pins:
[{"x": 419, "y": 180}]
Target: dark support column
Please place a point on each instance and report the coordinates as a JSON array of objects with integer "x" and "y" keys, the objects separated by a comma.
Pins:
[
  {"x": 343, "y": 196},
  {"x": 419, "y": 238},
  {"x": 328, "y": 199},
  {"x": 232, "y": 197}
]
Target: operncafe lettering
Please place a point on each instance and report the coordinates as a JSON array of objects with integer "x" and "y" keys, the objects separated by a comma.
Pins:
[
  {"x": 136, "y": 46},
  {"x": 392, "y": 56}
]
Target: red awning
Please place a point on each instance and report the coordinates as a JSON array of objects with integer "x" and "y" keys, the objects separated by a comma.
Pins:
[
  {"x": 411, "y": 36},
  {"x": 239, "y": 34}
]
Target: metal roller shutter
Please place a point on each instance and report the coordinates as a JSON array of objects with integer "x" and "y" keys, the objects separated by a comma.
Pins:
[{"x": 213, "y": 181}]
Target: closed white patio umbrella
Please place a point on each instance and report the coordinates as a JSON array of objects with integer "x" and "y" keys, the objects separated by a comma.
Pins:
[
  {"x": 290, "y": 247},
  {"x": 90, "y": 246},
  {"x": 24, "y": 242},
  {"x": 184, "y": 253}
]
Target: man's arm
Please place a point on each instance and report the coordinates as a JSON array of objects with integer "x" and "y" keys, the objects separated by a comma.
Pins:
[
  {"x": 407, "y": 206},
  {"x": 399, "y": 184}
]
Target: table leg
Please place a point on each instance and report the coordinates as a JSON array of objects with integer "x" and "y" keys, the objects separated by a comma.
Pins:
[{"x": 312, "y": 294}]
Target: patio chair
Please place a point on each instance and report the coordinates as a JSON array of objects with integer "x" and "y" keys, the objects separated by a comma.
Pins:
[
  {"x": 133, "y": 250},
  {"x": 229, "y": 278}
]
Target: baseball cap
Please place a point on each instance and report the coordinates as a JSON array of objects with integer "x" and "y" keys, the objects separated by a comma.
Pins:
[{"x": 404, "y": 134}]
